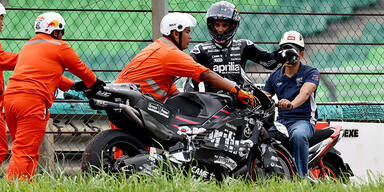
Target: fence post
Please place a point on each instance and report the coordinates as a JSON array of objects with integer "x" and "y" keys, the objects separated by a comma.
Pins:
[
  {"x": 159, "y": 9},
  {"x": 47, "y": 150}
]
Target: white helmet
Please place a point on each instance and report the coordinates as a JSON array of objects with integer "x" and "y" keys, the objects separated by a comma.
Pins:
[
  {"x": 176, "y": 21},
  {"x": 2, "y": 10},
  {"x": 48, "y": 22},
  {"x": 292, "y": 38}
]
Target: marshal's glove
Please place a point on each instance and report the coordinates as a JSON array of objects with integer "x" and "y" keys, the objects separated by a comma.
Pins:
[
  {"x": 244, "y": 96},
  {"x": 95, "y": 87},
  {"x": 98, "y": 85},
  {"x": 79, "y": 86},
  {"x": 91, "y": 91}
]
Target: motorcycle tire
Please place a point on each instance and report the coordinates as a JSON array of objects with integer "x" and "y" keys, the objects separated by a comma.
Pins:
[
  {"x": 287, "y": 163},
  {"x": 257, "y": 172},
  {"x": 333, "y": 171},
  {"x": 100, "y": 151}
]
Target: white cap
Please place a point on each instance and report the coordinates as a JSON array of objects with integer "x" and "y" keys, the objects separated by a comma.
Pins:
[
  {"x": 176, "y": 21},
  {"x": 2, "y": 10},
  {"x": 292, "y": 37}
]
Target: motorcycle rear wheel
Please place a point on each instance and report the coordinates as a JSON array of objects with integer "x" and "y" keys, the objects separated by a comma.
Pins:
[
  {"x": 100, "y": 151},
  {"x": 332, "y": 171}
]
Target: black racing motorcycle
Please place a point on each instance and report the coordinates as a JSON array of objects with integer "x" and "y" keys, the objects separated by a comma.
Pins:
[{"x": 209, "y": 134}]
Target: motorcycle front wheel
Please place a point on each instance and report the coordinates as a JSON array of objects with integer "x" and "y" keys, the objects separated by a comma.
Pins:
[
  {"x": 101, "y": 151},
  {"x": 287, "y": 164},
  {"x": 258, "y": 173}
]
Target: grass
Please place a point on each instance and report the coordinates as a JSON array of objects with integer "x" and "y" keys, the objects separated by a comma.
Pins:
[{"x": 175, "y": 182}]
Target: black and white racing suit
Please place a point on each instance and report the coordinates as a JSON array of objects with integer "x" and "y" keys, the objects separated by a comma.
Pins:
[{"x": 228, "y": 61}]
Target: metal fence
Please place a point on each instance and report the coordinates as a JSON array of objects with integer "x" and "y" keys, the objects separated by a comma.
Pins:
[{"x": 343, "y": 40}]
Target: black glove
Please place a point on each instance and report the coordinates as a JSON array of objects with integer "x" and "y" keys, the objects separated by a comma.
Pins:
[
  {"x": 97, "y": 86},
  {"x": 289, "y": 55},
  {"x": 292, "y": 56},
  {"x": 70, "y": 96},
  {"x": 278, "y": 56},
  {"x": 79, "y": 86}
]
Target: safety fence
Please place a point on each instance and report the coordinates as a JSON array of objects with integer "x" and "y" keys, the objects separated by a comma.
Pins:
[{"x": 343, "y": 40}]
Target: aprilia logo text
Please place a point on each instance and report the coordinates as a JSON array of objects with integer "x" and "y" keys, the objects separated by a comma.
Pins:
[{"x": 224, "y": 69}]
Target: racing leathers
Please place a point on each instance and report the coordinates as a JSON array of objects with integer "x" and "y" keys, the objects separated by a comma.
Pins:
[{"x": 228, "y": 61}]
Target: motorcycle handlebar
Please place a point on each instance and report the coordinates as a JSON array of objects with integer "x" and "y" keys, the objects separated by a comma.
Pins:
[{"x": 290, "y": 106}]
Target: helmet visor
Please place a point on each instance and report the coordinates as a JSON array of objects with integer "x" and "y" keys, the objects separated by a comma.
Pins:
[{"x": 221, "y": 12}]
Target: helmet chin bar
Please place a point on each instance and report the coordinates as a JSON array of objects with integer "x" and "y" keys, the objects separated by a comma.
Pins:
[{"x": 219, "y": 37}]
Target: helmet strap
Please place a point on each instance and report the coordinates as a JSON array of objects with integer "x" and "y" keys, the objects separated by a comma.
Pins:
[
  {"x": 180, "y": 40},
  {"x": 56, "y": 34},
  {"x": 175, "y": 42}
]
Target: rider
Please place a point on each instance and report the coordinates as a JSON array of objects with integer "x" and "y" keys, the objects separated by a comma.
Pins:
[
  {"x": 295, "y": 85},
  {"x": 33, "y": 87},
  {"x": 156, "y": 67},
  {"x": 225, "y": 55}
]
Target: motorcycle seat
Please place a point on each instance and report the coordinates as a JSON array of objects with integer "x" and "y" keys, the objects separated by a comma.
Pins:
[
  {"x": 184, "y": 104},
  {"x": 319, "y": 136},
  {"x": 198, "y": 104}
]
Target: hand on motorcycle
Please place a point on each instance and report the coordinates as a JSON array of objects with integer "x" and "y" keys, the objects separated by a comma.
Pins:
[
  {"x": 95, "y": 87},
  {"x": 285, "y": 104},
  {"x": 244, "y": 96},
  {"x": 79, "y": 86}
]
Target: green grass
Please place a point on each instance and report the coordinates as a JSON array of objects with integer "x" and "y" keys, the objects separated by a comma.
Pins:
[{"x": 177, "y": 182}]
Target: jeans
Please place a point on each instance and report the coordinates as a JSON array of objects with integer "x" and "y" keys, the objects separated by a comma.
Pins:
[{"x": 300, "y": 131}]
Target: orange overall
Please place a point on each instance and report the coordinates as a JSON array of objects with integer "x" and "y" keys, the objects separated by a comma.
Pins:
[
  {"x": 156, "y": 67},
  {"x": 7, "y": 62},
  {"x": 30, "y": 93}
]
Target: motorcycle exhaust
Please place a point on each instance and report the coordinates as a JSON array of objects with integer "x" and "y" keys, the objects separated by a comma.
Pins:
[{"x": 101, "y": 104}]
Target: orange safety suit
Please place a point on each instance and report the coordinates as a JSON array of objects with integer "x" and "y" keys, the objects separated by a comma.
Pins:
[
  {"x": 30, "y": 93},
  {"x": 7, "y": 62},
  {"x": 155, "y": 69}
]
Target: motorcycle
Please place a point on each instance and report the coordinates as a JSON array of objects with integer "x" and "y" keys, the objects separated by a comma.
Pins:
[
  {"x": 324, "y": 160},
  {"x": 212, "y": 135}
]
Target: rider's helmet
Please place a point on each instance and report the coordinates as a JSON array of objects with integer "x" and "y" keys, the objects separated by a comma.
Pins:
[
  {"x": 292, "y": 39},
  {"x": 2, "y": 10},
  {"x": 49, "y": 22},
  {"x": 176, "y": 21},
  {"x": 223, "y": 11}
]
